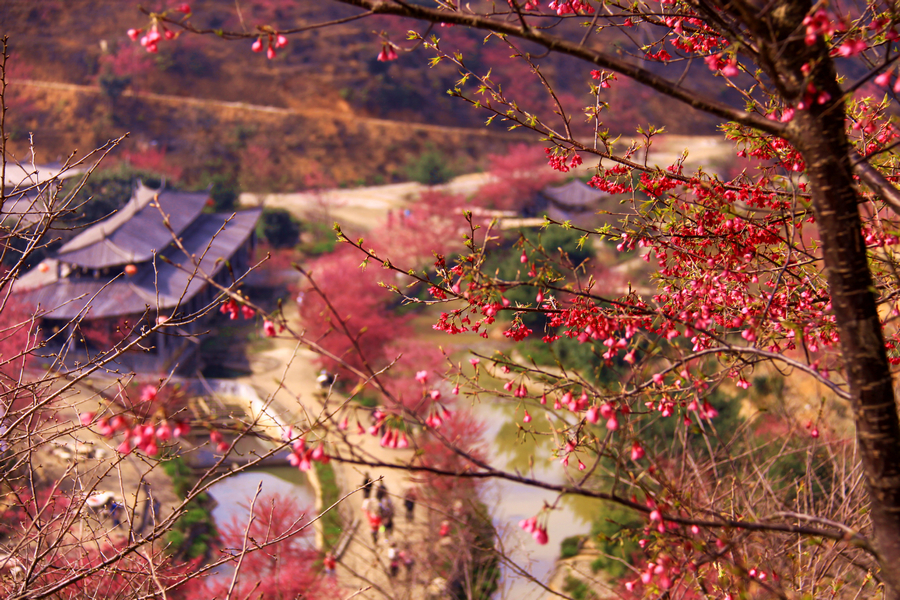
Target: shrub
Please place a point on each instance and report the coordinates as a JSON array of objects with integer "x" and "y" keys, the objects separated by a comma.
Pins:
[
  {"x": 570, "y": 546},
  {"x": 279, "y": 228},
  {"x": 429, "y": 168}
]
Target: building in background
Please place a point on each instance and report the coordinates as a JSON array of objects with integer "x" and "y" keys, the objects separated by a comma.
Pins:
[{"x": 127, "y": 272}]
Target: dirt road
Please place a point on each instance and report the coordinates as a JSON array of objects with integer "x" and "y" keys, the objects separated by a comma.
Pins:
[{"x": 285, "y": 375}]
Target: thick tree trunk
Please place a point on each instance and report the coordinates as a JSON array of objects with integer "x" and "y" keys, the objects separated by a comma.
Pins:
[
  {"x": 819, "y": 134},
  {"x": 818, "y": 131}
]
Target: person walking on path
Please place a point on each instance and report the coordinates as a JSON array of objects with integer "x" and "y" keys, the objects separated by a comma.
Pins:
[
  {"x": 374, "y": 525},
  {"x": 386, "y": 510},
  {"x": 407, "y": 558},
  {"x": 330, "y": 564},
  {"x": 393, "y": 561},
  {"x": 367, "y": 485},
  {"x": 409, "y": 501},
  {"x": 114, "y": 508}
]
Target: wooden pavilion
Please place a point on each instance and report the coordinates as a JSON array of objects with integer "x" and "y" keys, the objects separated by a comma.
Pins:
[{"x": 128, "y": 271}]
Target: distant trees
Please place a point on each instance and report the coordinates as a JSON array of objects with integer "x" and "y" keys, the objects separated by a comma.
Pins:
[{"x": 516, "y": 178}]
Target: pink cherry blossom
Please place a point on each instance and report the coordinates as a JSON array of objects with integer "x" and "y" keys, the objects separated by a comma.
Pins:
[
  {"x": 387, "y": 53},
  {"x": 637, "y": 451},
  {"x": 148, "y": 393},
  {"x": 163, "y": 431},
  {"x": 529, "y": 524},
  {"x": 269, "y": 328}
]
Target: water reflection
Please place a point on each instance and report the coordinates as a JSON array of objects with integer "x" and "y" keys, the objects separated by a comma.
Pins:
[
  {"x": 234, "y": 494},
  {"x": 512, "y": 450}
]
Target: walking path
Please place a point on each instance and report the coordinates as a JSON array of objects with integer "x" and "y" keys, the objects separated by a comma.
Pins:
[
  {"x": 287, "y": 375},
  {"x": 309, "y": 112}
]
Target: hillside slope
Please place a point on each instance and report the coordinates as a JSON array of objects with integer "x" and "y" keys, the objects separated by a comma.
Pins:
[{"x": 334, "y": 94}]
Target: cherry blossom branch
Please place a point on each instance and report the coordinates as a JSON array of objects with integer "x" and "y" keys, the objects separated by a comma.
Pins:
[
  {"x": 245, "y": 543},
  {"x": 890, "y": 195},
  {"x": 562, "y": 46},
  {"x": 488, "y": 472}
]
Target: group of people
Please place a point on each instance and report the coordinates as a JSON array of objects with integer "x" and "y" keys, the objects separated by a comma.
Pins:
[
  {"x": 379, "y": 511},
  {"x": 395, "y": 557}
]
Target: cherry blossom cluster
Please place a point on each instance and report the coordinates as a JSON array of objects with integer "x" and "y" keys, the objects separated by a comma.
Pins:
[
  {"x": 659, "y": 56},
  {"x": 388, "y": 52},
  {"x": 778, "y": 149},
  {"x": 813, "y": 96},
  {"x": 702, "y": 39},
  {"x": 850, "y": 47},
  {"x": 657, "y": 185},
  {"x": 537, "y": 530},
  {"x": 821, "y": 23},
  {"x": 696, "y": 43},
  {"x": 390, "y": 437},
  {"x": 529, "y": 4},
  {"x": 570, "y": 7},
  {"x": 145, "y": 437},
  {"x": 561, "y": 7},
  {"x": 662, "y": 571},
  {"x": 614, "y": 181},
  {"x": 885, "y": 26},
  {"x": 870, "y": 119},
  {"x": 437, "y": 412},
  {"x": 302, "y": 456},
  {"x": 714, "y": 274},
  {"x": 157, "y": 31},
  {"x": 723, "y": 64},
  {"x": 559, "y": 159},
  {"x": 604, "y": 77},
  {"x": 394, "y": 438},
  {"x": 231, "y": 308},
  {"x": 273, "y": 42}
]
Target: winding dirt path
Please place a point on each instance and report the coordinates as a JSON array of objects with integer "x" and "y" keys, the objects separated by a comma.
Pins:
[{"x": 286, "y": 375}]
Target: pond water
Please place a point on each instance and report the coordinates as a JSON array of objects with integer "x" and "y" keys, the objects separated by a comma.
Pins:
[
  {"x": 234, "y": 494},
  {"x": 513, "y": 502}
]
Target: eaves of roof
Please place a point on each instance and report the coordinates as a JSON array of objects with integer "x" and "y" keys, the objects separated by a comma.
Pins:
[
  {"x": 159, "y": 286},
  {"x": 143, "y": 227}
]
